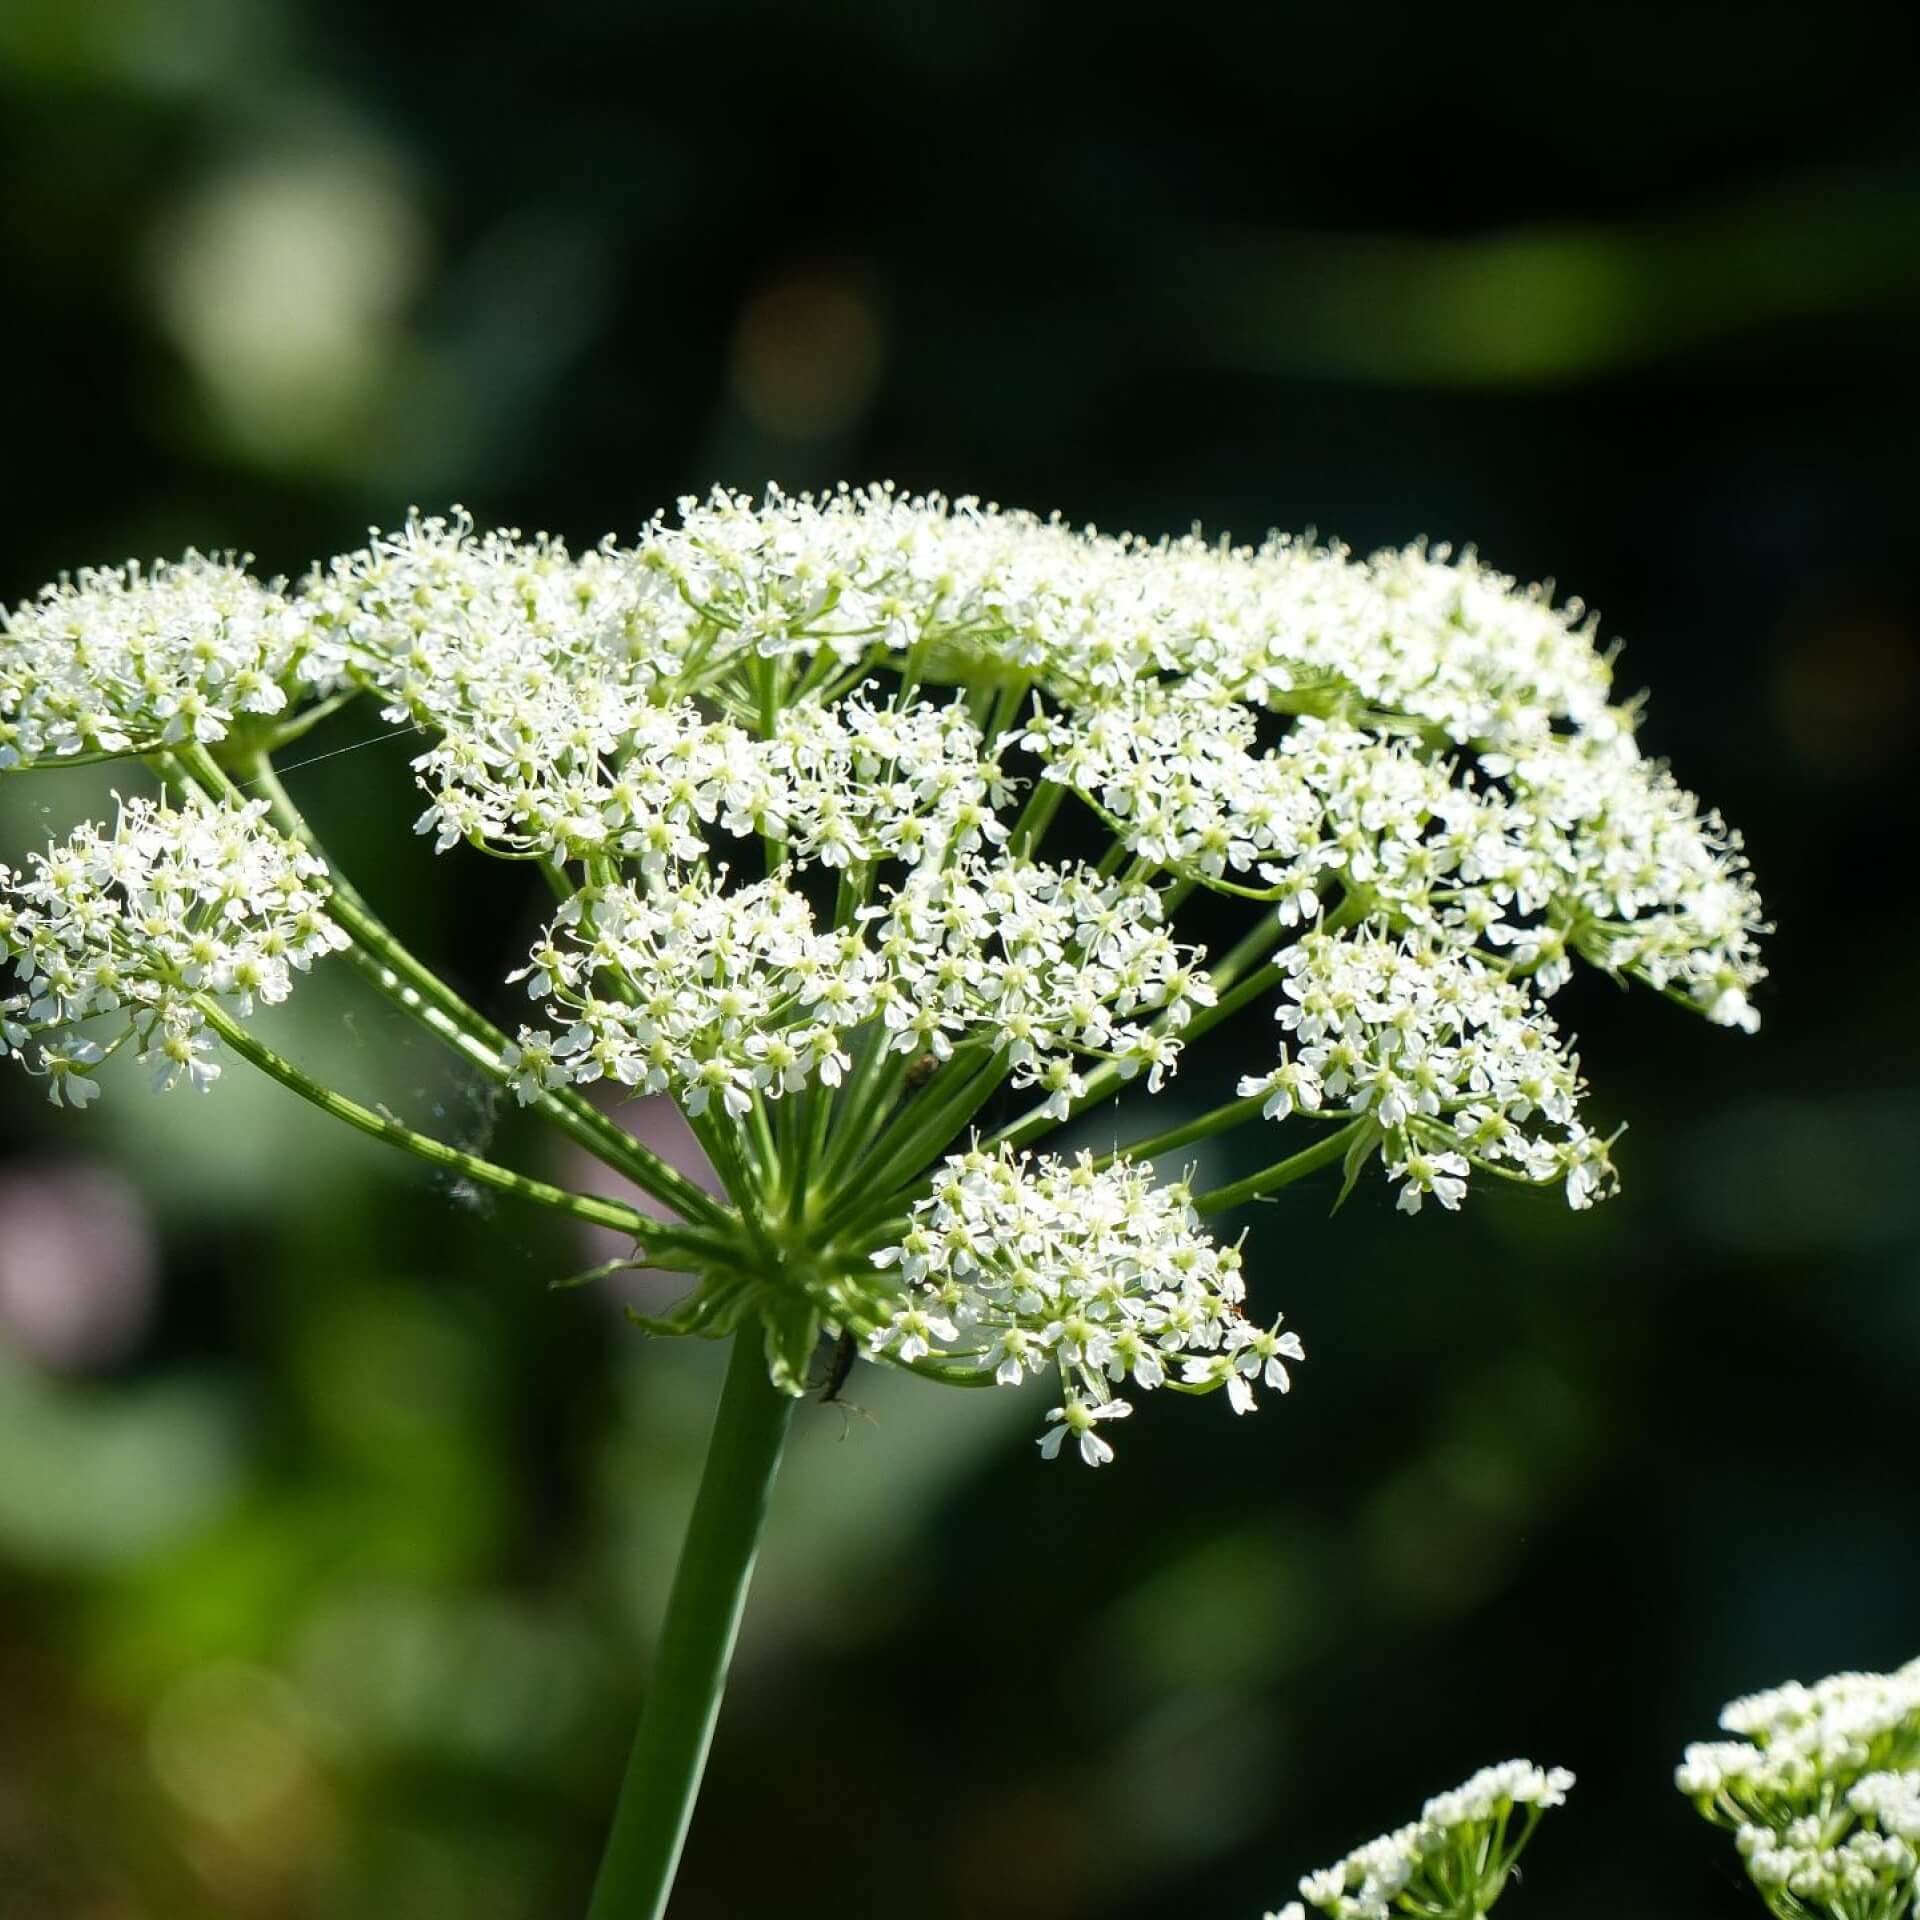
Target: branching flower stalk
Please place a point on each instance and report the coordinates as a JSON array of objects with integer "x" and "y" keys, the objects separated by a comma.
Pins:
[{"x": 863, "y": 813}]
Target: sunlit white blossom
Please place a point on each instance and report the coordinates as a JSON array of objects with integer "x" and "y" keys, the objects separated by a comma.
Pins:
[
  {"x": 790, "y": 766},
  {"x": 1098, "y": 1275},
  {"x": 117, "y": 932},
  {"x": 123, "y": 659}
]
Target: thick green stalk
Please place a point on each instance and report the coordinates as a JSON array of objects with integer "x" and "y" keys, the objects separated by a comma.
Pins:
[
  {"x": 1256, "y": 945},
  {"x": 696, "y": 1641},
  {"x": 1035, "y": 818},
  {"x": 574, "y": 1115},
  {"x": 865, "y": 1093}
]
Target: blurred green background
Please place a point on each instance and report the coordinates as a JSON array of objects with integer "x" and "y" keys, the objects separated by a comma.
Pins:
[{"x": 331, "y": 1542}]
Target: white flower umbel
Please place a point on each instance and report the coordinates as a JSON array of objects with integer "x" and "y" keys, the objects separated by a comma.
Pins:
[
  {"x": 790, "y": 765},
  {"x": 1452, "y": 1863},
  {"x": 1821, "y": 1793},
  {"x": 124, "y": 660},
  {"x": 1452, "y": 1063},
  {"x": 719, "y": 992},
  {"x": 1018, "y": 1264},
  {"x": 128, "y": 933}
]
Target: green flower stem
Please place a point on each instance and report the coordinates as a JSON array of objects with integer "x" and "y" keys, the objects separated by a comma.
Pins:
[
  {"x": 948, "y": 1373},
  {"x": 1230, "y": 1002},
  {"x": 868, "y": 1092},
  {"x": 1322, "y": 1153},
  {"x": 850, "y": 1249},
  {"x": 923, "y": 1131},
  {"x": 583, "y": 1206},
  {"x": 915, "y": 1150},
  {"x": 283, "y": 733},
  {"x": 1202, "y": 1127},
  {"x": 579, "y": 1119},
  {"x": 765, "y": 1148},
  {"x": 722, "y": 1141},
  {"x": 1006, "y": 707},
  {"x": 696, "y": 1642},
  {"x": 1238, "y": 958},
  {"x": 854, "y": 1225},
  {"x": 1035, "y": 817},
  {"x": 87, "y": 757},
  {"x": 804, "y": 1138},
  {"x": 420, "y": 993}
]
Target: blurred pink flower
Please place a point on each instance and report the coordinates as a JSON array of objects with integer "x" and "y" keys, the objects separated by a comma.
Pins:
[{"x": 77, "y": 1264}]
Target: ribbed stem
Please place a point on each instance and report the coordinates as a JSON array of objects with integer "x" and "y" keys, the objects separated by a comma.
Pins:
[{"x": 696, "y": 1641}]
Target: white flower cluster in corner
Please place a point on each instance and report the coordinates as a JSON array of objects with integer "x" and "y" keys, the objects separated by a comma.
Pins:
[
  {"x": 123, "y": 659},
  {"x": 1450, "y": 1058},
  {"x": 734, "y": 992},
  {"x": 1821, "y": 1793},
  {"x": 1452, "y": 1863},
  {"x": 1026, "y": 1263},
  {"x": 124, "y": 928}
]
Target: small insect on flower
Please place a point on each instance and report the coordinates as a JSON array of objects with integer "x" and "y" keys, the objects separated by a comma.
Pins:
[{"x": 846, "y": 1350}]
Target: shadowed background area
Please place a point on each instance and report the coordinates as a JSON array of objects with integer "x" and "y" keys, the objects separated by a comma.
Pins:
[{"x": 331, "y": 1541}]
